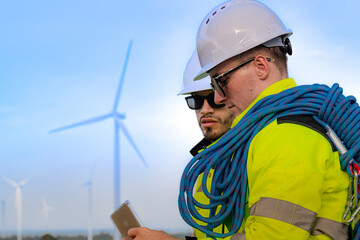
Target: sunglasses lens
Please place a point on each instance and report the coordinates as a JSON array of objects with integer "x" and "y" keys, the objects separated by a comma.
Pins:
[
  {"x": 195, "y": 102},
  {"x": 216, "y": 87},
  {"x": 190, "y": 102},
  {"x": 211, "y": 100}
]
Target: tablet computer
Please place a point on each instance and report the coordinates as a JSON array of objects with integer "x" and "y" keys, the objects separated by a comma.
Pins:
[{"x": 125, "y": 218}]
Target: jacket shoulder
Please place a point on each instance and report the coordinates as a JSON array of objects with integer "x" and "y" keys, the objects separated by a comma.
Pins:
[{"x": 306, "y": 121}]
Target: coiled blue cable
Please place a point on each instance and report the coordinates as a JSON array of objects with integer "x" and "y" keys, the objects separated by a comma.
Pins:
[{"x": 228, "y": 156}]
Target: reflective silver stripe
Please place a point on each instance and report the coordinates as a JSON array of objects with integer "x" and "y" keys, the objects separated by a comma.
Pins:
[
  {"x": 238, "y": 236},
  {"x": 284, "y": 211},
  {"x": 199, "y": 189},
  {"x": 333, "y": 229}
]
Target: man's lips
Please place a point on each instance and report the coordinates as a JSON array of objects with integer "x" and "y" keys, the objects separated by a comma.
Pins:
[{"x": 208, "y": 122}]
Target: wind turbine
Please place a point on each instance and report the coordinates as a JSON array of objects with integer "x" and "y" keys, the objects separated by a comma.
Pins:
[
  {"x": 118, "y": 125},
  {"x": 18, "y": 203},
  {"x": 89, "y": 185},
  {"x": 45, "y": 210},
  {"x": 3, "y": 219}
]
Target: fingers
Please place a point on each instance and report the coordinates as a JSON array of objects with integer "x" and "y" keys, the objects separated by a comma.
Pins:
[
  {"x": 133, "y": 232},
  {"x": 144, "y": 233}
]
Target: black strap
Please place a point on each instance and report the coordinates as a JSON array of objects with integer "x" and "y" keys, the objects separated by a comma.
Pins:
[
  {"x": 190, "y": 238},
  {"x": 200, "y": 146}
]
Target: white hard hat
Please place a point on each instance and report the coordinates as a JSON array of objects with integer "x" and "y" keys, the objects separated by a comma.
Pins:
[
  {"x": 191, "y": 70},
  {"x": 235, "y": 27}
]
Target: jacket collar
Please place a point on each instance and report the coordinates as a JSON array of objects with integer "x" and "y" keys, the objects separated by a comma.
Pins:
[
  {"x": 273, "y": 89},
  {"x": 204, "y": 143}
]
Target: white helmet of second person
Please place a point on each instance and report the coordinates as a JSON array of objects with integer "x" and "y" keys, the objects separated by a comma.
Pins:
[
  {"x": 191, "y": 70},
  {"x": 234, "y": 27}
]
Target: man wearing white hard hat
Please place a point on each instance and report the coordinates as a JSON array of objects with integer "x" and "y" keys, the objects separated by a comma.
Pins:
[
  {"x": 279, "y": 178},
  {"x": 214, "y": 120}
]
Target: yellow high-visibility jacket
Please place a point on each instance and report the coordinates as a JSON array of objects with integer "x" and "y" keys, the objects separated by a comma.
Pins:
[{"x": 296, "y": 188}]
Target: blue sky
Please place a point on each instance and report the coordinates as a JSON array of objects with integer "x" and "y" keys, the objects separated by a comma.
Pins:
[{"x": 60, "y": 63}]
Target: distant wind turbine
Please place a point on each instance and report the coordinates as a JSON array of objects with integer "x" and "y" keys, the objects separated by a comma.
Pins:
[
  {"x": 119, "y": 125},
  {"x": 3, "y": 219},
  {"x": 89, "y": 185},
  {"x": 18, "y": 203},
  {"x": 45, "y": 210}
]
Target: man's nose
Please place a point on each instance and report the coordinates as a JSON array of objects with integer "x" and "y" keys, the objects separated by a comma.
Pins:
[
  {"x": 219, "y": 99},
  {"x": 206, "y": 108}
]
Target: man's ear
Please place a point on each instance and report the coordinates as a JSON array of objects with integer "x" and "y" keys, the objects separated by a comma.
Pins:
[{"x": 261, "y": 67}]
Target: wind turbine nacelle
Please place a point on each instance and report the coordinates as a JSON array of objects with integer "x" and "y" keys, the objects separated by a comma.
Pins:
[{"x": 120, "y": 116}]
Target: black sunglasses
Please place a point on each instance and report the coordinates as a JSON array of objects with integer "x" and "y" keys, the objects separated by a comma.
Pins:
[
  {"x": 196, "y": 102},
  {"x": 218, "y": 84}
]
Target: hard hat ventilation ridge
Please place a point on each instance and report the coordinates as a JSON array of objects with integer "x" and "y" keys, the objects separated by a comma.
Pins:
[{"x": 213, "y": 14}]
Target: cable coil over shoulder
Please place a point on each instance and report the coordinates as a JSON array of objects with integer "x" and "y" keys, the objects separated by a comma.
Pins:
[{"x": 229, "y": 185}]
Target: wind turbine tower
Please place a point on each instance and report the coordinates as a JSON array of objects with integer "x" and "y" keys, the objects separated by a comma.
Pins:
[
  {"x": 18, "y": 203},
  {"x": 3, "y": 219},
  {"x": 89, "y": 185},
  {"x": 45, "y": 211},
  {"x": 118, "y": 126}
]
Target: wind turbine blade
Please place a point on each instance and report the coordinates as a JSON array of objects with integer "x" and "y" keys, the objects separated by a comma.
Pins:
[
  {"x": 11, "y": 182},
  {"x": 46, "y": 208},
  {"x": 23, "y": 182},
  {"x": 126, "y": 132},
  {"x": 86, "y": 122},
  {"x": 116, "y": 103}
]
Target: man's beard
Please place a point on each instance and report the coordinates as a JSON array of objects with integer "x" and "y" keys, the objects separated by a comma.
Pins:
[{"x": 223, "y": 125}]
